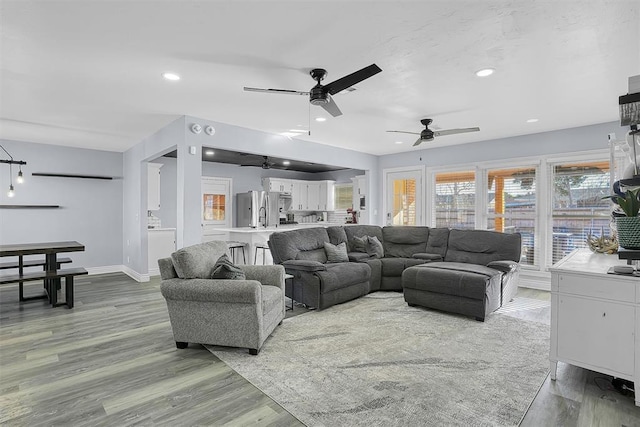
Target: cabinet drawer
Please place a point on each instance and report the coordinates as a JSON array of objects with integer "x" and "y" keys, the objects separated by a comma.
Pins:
[
  {"x": 605, "y": 286},
  {"x": 596, "y": 333}
]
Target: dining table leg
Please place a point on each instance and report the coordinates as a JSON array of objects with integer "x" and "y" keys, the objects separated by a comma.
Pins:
[{"x": 52, "y": 285}]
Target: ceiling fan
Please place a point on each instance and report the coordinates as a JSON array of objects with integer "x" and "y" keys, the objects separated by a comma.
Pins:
[
  {"x": 321, "y": 94},
  {"x": 428, "y": 135},
  {"x": 266, "y": 164}
]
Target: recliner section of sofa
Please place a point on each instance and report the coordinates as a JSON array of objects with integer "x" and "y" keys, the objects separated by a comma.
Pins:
[{"x": 317, "y": 283}]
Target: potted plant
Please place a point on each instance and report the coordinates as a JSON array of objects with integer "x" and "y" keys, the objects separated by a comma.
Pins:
[{"x": 627, "y": 219}]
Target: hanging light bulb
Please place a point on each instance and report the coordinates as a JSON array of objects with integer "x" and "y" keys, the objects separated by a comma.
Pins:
[
  {"x": 20, "y": 179},
  {"x": 11, "y": 193}
]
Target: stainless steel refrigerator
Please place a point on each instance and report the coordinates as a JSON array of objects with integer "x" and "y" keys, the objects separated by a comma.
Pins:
[{"x": 257, "y": 209}]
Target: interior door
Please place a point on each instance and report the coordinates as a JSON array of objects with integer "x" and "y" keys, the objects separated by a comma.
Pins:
[
  {"x": 216, "y": 207},
  {"x": 404, "y": 197}
]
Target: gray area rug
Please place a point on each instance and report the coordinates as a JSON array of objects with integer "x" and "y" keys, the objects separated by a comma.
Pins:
[{"x": 375, "y": 361}]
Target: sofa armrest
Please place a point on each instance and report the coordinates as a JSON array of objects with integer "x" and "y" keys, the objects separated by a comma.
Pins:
[
  {"x": 358, "y": 256},
  {"x": 304, "y": 265},
  {"x": 234, "y": 291},
  {"x": 504, "y": 266},
  {"x": 427, "y": 257},
  {"x": 271, "y": 275}
]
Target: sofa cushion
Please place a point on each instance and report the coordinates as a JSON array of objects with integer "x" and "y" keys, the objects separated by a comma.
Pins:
[
  {"x": 336, "y": 234},
  {"x": 438, "y": 240},
  {"x": 341, "y": 275},
  {"x": 405, "y": 241},
  {"x": 198, "y": 261},
  {"x": 374, "y": 247},
  {"x": 318, "y": 255},
  {"x": 482, "y": 246},
  {"x": 428, "y": 257},
  {"x": 451, "y": 278},
  {"x": 336, "y": 253},
  {"x": 393, "y": 267},
  {"x": 286, "y": 245},
  {"x": 360, "y": 244},
  {"x": 225, "y": 269}
]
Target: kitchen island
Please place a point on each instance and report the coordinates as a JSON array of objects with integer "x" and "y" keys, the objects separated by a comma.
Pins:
[{"x": 253, "y": 236}]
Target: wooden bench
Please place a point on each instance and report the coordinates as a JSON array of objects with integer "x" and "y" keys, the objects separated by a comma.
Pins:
[
  {"x": 49, "y": 279},
  {"x": 32, "y": 263}
]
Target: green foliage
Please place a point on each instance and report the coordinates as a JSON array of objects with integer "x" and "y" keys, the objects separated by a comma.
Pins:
[{"x": 629, "y": 201}]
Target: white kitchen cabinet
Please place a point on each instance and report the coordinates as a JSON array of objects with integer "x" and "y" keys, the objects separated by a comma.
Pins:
[
  {"x": 161, "y": 244},
  {"x": 313, "y": 196},
  {"x": 296, "y": 195},
  {"x": 278, "y": 185},
  {"x": 153, "y": 186},
  {"x": 327, "y": 196},
  {"x": 595, "y": 316}
]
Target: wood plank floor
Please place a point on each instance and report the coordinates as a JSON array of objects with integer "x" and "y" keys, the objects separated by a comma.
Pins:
[{"x": 112, "y": 361}]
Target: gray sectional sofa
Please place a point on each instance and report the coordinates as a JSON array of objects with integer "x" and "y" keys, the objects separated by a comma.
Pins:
[{"x": 471, "y": 272}]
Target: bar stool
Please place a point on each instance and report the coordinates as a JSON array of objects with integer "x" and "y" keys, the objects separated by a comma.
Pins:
[
  {"x": 265, "y": 248},
  {"x": 232, "y": 248}
]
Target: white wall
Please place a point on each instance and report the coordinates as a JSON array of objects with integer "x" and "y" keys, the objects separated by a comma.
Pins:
[
  {"x": 189, "y": 170},
  {"x": 90, "y": 209},
  {"x": 584, "y": 138}
]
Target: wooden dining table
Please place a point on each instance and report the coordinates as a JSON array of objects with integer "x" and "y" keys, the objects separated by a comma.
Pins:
[{"x": 50, "y": 251}]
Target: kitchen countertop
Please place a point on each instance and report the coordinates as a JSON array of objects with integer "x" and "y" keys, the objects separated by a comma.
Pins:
[
  {"x": 161, "y": 229},
  {"x": 272, "y": 229}
]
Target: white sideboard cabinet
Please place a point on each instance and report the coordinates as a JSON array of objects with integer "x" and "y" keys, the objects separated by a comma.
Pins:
[
  {"x": 595, "y": 316},
  {"x": 161, "y": 244}
]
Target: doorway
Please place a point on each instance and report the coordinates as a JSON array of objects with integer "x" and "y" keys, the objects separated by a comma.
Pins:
[
  {"x": 216, "y": 208},
  {"x": 404, "y": 198}
]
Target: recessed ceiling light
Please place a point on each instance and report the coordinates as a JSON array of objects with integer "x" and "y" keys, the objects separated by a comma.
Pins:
[
  {"x": 286, "y": 163},
  {"x": 532, "y": 120},
  {"x": 209, "y": 152},
  {"x": 170, "y": 76},
  {"x": 320, "y": 119},
  {"x": 399, "y": 142},
  {"x": 485, "y": 72}
]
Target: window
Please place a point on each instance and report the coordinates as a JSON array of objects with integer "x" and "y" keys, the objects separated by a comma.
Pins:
[
  {"x": 455, "y": 199},
  {"x": 578, "y": 207},
  {"x": 214, "y": 207},
  {"x": 511, "y": 206},
  {"x": 343, "y": 196}
]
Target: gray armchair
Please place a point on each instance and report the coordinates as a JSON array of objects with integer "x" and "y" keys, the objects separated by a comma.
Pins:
[{"x": 234, "y": 313}]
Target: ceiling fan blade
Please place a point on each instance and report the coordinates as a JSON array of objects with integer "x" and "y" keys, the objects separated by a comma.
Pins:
[
  {"x": 278, "y": 91},
  {"x": 332, "y": 108},
  {"x": 404, "y": 131},
  {"x": 352, "y": 79},
  {"x": 418, "y": 142},
  {"x": 454, "y": 131}
]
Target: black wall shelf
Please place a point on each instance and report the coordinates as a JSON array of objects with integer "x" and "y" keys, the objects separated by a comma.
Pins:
[
  {"x": 29, "y": 206},
  {"x": 70, "y": 175}
]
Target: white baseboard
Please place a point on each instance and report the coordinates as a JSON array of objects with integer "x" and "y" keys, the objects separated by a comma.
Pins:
[
  {"x": 105, "y": 269},
  {"x": 154, "y": 272},
  {"x": 134, "y": 274}
]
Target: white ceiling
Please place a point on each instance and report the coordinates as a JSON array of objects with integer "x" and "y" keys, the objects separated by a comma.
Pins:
[{"x": 88, "y": 73}]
